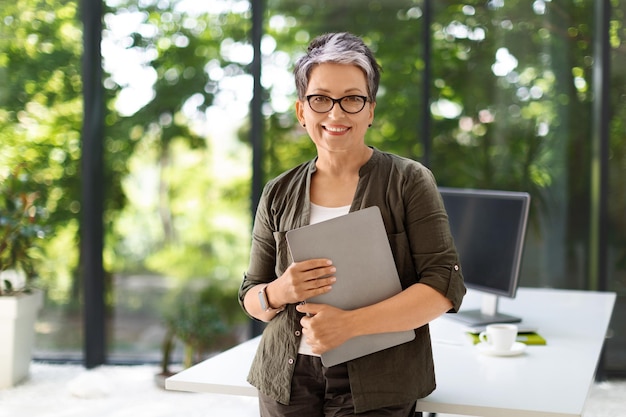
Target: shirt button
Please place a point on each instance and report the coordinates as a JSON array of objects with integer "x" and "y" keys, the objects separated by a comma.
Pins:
[
  {"x": 298, "y": 333},
  {"x": 290, "y": 361},
  {"x": 456, "y": 267}
]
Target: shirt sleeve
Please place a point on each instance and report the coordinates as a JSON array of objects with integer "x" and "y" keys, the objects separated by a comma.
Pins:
[
  {"x": 433, "y": 251},
  {"x": 261, "y": 267}
]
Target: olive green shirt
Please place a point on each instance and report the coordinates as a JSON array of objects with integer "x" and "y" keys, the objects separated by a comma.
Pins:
[{"x": 423, "y": 249}]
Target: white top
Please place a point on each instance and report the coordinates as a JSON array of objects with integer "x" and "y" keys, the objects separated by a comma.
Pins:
[
  {"x": 321, "y": 213},
  {"x": 318, "y": 215}
]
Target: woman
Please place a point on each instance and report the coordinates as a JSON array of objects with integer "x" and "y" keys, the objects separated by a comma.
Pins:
[{"x": 337, "y": 81}]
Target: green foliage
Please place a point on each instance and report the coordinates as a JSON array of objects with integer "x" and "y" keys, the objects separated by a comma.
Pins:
[
  {"x": 21, "y": 228},
  {"x": 203, "y": 317},
  {"x": 40, "y": 99},
  {"x": 207, "y": 223},
  {"x": 41, "y": 109},
  {"x": 184, "y": 261},
  {"x": 41, "y": 121},
  {"x": 175, "y": 234}
]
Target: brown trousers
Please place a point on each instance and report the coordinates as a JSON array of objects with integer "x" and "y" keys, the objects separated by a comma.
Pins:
[{"x": 317, "y": 391}]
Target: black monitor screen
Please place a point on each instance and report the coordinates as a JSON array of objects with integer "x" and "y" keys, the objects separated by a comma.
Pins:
[{"x": 488, "y": 228}]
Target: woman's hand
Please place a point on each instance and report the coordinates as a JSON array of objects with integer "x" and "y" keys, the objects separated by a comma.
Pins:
[
  {"x": 301, "y": 281},
  {"x": 324, "y": 327}
]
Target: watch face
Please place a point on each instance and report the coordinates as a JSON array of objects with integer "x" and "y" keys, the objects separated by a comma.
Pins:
[{"x": 265, "y": 305}]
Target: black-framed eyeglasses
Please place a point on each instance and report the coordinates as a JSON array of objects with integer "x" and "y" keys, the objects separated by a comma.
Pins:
[{"x": 323, "y": 104}]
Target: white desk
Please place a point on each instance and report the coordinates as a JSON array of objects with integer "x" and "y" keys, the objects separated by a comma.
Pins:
[{"x": 546, "y": 381}]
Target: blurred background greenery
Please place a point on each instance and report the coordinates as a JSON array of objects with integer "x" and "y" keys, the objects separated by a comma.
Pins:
[{"x": 511, "y": 105}]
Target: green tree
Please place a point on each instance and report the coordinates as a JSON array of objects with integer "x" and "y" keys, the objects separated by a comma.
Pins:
[
  {"x": 187, "y": 53},
  {"x": 41, "y": 107}
]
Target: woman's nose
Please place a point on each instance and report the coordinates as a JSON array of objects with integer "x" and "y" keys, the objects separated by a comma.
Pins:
[{"x": 336, "y": 112}]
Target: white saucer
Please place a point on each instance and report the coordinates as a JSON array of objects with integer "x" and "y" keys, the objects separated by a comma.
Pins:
[{"x": 517, "y": 349}]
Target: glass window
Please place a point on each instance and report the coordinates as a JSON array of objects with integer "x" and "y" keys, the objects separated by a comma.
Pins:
[
  {"x": 511, "y": 96},
  {"x": 40, "y": 125},
  {"x": 512, "y": 109},
  {"x": 510, "y": 93},
  {"x": 179, "y": 219},
  {"x": 615, "y": 360}
]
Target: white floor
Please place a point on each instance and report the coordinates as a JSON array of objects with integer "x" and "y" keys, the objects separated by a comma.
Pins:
[{"x": 109, "y": 391}]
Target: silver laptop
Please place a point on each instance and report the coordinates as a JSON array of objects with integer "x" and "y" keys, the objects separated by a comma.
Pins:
[{"x": 366, "y": 273}]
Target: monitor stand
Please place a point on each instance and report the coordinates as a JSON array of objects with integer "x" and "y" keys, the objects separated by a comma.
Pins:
[{"x": 487, "y": 314}]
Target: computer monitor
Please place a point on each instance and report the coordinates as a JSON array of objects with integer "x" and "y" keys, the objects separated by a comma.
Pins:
[{"x": 489, "y": 228}]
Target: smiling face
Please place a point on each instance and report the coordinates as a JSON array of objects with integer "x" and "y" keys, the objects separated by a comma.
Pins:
[{"x": 336, "y": 130}]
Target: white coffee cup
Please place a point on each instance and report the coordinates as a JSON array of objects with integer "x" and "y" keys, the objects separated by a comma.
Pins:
[{"x": 500, "y": 337}]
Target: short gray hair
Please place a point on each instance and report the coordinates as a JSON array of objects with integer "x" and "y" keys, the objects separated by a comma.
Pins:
[{"x": 338, "y": 48}]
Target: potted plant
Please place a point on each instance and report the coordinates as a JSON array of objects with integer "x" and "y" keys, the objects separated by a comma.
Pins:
[
  {"x": 204, "y": 319},
  {"x": 20, "y": 301}
]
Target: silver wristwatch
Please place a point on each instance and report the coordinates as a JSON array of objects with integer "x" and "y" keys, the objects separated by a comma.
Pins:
[{"x": 265, "y": 303}]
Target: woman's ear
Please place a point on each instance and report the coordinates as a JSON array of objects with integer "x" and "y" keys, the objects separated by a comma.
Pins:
[
  {"x": 372, "y": 107},
  {"x": 300, "y": 112}
]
